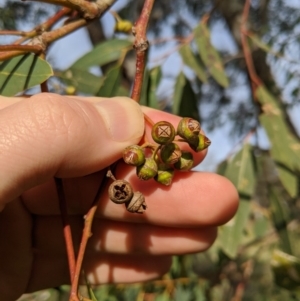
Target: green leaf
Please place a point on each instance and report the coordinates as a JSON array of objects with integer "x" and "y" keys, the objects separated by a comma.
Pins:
[
  {"x": 209, "y": 55},
  {"x": 82, "y": 80},
  {"x": 190, "y": 60},
  {"x": 22, "y": 72},
  {"x": 231, "y": 233},
  {"x": 105, "y": 52},
  {"x": 178, "y": 93},
  {"x": 241, "y": 172},
  {"x": 185, "y": 102},
  {"x": 154, "y": 79},
  {"x": 90, "y": 290},
  {"x": 144, "y": 93},
  {"x": 111, "y": 83},
  {"x": 280, "y": 217},
  {"x": 285, "y": 149}
]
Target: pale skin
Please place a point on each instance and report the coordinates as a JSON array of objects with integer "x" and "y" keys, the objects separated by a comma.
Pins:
[{"x": 49, "y": 135}]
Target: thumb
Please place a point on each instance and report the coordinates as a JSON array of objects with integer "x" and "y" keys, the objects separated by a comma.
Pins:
[{"x": 52, "y": 135}]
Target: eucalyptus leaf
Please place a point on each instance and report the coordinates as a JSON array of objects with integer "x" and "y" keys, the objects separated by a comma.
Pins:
[
  {"x": 154, "y": 80},
  {"x": 285, "y": 149},
  {"x": 240, "y": 170},
  {"x": 103, "y": 53},
  {"x": 22, "y": 72},
  {"x": 82, "y": 80},
  {"x": 209, "y": 55},
  {"x": 281, "y": 217},
  {"x": 178, "y": 93},
  {"x": 190, "y": 60},
  {"x": 111, "y": 83},
  {"x": 189, "y": 102},
  {"x": 144, "y": 93}
]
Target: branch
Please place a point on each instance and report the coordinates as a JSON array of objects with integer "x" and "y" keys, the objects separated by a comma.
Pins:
[
  {"x": 66, "y": 226},
  {"x": 88, "y": 10},
  {"x": 88, "y": 220},
  {"x": 44, "y": 26},
  {"x": 246, "y": 49},
  {"x": 141, "y": 45}
]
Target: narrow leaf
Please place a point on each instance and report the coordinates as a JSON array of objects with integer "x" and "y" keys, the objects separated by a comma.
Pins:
[
  {"x": 190, "y": 60},
  {"x": 111, "y": 83},
  {"x": 22, "y": 72},
  {"x": 144, "y": 93},
  {"x": 280, "y": 217},
  {"x": 82, "y": 80},
  {"x": 105, "y": 52},
  {"x": 154, "y": 79},
  {"x": 241, "y": 172},
  {"x": 178, "y": 93},
  {"x": 285, "y": 149},
  {"x": 209, "y": 55}
]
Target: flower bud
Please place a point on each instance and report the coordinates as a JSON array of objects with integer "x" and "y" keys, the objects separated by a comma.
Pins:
[
  {"x": 148, "y": 170},
  {"x": 137, "y": 204},
  {"x": 185, "y": 162},
  {"x": 200, "y": 144},
  {"x": 170, "y": 153},
  {"x": 120, "y": 191},
  {"x": 163, "y": 132},
  {"x": 165, "y": 174},
  {"x": 134, "y": 155},
  {"x": 188, "y": 128}
]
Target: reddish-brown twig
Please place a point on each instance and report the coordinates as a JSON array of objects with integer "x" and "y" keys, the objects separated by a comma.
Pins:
[
  {"x": 66, "y": 227},
  {"x": 88, "y": 220},
  {"x": 246, "y": 49},
  {"x": 141, "y": 45},
  {"x": 44, "y": 26}
]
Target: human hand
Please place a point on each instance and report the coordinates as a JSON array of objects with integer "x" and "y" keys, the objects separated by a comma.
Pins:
[{"x": 50, "y": 135}]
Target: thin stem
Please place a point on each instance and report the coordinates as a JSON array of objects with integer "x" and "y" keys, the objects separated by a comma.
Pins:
[
  {"x": 141, "y": 45},
  {"x": 245, "y": 46},
  {"x": 12, "y": 32},
  {"x": 66, "y": 225},
  {"x": 88, "y": 220},
  {"x": 149, "y": 120},
  {"x": 27, "y": 48}
]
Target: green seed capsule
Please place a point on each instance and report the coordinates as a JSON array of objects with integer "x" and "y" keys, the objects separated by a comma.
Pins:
[
  {"x": 134, "y": 155},
  {"x": 186, "y": 161},
  {"x": 165, "y": 174},
  {"x": 148, "y": 170},
  {"x": 188, "y": 128},
  {"x": 163, "y": 132},
  {"x": 200, "y": 144},
  {"x": 170, "y": 153}
]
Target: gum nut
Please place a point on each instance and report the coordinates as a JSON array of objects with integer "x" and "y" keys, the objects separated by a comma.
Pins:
[
  {"x": 186, "y": 161},
  {"x": 170, "y": 153},
  {"x": 134, "y": 155},
  {"x": 148, "y": 170},
  {"x": 188, "y": 128},
  {"x": 165, "y": 174},
  {"x": 163, "y": 132},
  {"x": 200, "y": 144}
]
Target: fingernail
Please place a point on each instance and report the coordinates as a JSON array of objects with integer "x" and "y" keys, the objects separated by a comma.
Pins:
[{"x": 123, "y": 118}]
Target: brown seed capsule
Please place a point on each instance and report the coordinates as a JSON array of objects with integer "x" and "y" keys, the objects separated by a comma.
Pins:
[
  {"x": 120, "y": 191},
  {"x": 188, "y": 128},
  {"x": 163, "y": 132},
  {"x": 134, "y": 155},
  {"x": 185, "y": 162},
  {"x": 137, "y": 204},
  {"x": 170, "y": 153}
]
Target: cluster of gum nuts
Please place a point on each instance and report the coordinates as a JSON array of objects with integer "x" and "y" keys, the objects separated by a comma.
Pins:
[{"x": 158, "y": 161}]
